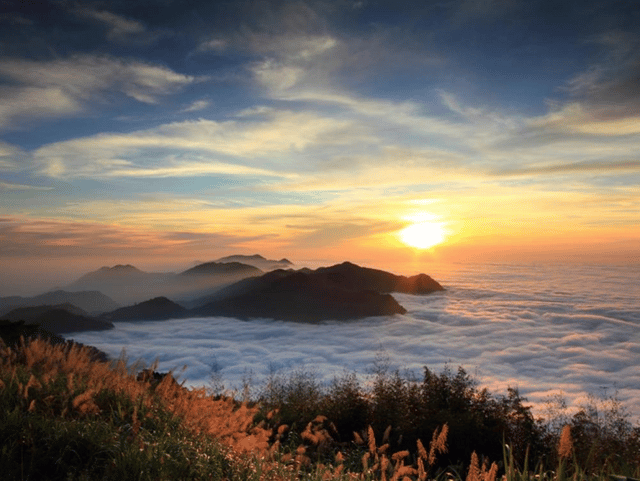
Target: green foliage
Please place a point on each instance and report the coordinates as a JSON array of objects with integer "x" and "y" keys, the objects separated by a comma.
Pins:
[
  {"x": 414, "y": 409},
  {"x": 53, "y": 444},
  {"x": 48, "y": 432}
]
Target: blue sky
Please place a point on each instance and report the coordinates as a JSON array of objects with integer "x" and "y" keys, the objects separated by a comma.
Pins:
[{"x": 172, "y": 130}]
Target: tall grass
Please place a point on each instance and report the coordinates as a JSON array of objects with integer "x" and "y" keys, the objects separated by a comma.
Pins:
[{"x": 65, "y": 415}]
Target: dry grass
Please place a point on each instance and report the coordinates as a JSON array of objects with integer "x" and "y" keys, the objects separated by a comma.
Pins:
[{"x": 65, "y": 382}]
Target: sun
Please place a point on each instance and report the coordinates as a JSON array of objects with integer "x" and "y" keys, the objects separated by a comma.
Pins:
[{"x": 424, "y": 233}]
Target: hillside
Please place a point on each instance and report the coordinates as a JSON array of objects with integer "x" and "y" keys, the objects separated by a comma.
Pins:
[
  {"x": 156, "y": 309},
  {"x": 226, "y": 268},
  {"x": 343, "y": 291},
  {"x": 65, "y": 414},
  {"x": 93, "y": 302},
  {"x": 59, "y": 319},
  {"x": 258, "y": 261}
]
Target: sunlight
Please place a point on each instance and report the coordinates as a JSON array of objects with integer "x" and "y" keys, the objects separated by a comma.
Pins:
[{"x": 424, "y": 232}]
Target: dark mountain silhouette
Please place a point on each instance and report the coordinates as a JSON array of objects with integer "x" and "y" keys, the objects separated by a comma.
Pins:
[
  {"x": 345, "y": 276},
  {"x": 349, "y": 276},
  {"x": 93, "y": 302},
  {"x": 340, "y": 292},
  {"x": 297, "y": 297},
  {"x": 216, "y": 268},
  {"x": 12, "y": 334},
  {"x": 156, "y": 309},
  {"x": 343, "y": 291},
  {"x": 58, "y": 319},
  {"x": 258, "y": 261}
]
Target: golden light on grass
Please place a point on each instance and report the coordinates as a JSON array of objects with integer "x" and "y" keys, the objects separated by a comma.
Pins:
[{"x": 424, "y": 232}]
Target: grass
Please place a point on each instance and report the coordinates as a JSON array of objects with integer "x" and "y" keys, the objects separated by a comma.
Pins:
[{"x": 66, "y": 415}]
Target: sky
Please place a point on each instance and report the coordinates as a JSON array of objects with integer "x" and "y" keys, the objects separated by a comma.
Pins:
[{"x": 162, "y": 132}]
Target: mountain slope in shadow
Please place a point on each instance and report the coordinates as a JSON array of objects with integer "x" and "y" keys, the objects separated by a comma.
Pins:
[
  {"x": 58, "y": 319},
  {"x": 157, "y": 309},
  {"x": 343, "y": 291},
  {"x": 93, "y": 302},
  {"x": 258, "y": 261}
]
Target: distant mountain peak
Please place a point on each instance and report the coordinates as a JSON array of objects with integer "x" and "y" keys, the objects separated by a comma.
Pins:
[
  {"x": 258, "y": 261},
  {"x": 209, "y": 268},
  {"x": 158, "y": 308},
  {"x": 256, "y": 257},
  {"x": 120, "y": 267}
]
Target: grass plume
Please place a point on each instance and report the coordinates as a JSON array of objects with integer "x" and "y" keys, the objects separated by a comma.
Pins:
[{"x": 66, "y": 415}]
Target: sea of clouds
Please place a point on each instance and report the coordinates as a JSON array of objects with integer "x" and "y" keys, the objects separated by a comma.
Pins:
[{"x": 546, "y": 330}]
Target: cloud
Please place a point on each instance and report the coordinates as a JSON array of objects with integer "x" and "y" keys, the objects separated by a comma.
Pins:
[
  {"x": 14, "y": 186},
  {"x": 195, "y": 147},
  {"x": 63, "y": 87},
  {"x": 294, "y": 49},
  {"x": 197, "y": 105},
  {"x": 35, "y": 102},
  {"x": 322, "y": 233},
  {"x": 214, "y": 44},
  {"x": 609, "y": 88},
  {"x": 502, "y": 332},
  {"x": 120, "y": 29},
  {"x": 24, "y": 237},
  {"x": 577, "y": 167},
  {"x": 10, "y": 156}
]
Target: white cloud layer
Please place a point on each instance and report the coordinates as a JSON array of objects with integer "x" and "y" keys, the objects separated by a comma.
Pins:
[{"x": 544, "y": 330}]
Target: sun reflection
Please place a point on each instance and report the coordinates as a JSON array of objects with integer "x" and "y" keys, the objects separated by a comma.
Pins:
[{"x": 424, "y": 232}]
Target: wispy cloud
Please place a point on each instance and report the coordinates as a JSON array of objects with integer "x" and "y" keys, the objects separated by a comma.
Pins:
[
  {"x": 602, "y": 167},
  {"x": 197, "y": 105},
  {"x": 10, "y": 156},
  {"x": 119, "y": 29},
  {"x": 48, "y": 238},
  {"x": 193, "y": 147},
  {"x": 609, "y": 87},
  {"x": 14, "y": 186},
  {"x": 65, "y": 86}
]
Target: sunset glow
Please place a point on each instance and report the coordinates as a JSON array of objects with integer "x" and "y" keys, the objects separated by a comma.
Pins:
[
  {"x": 314, "y": 130},
  {"x": 424, "y": 232},
  {"x": 423, "y": 235}
]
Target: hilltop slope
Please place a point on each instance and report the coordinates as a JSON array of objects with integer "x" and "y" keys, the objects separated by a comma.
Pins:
[{"x": 344, "y": 291}]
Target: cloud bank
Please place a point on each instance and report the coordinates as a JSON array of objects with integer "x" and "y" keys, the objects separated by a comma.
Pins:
[{"x": 543, "y": 330}]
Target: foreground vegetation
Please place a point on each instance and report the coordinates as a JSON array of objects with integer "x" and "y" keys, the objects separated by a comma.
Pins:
[{"x": 65, "y": 414}]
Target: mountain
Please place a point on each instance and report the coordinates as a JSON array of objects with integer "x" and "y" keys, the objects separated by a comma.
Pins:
[
  {"x": 12, "y": 334},
  {"x": 227, "y": 268},
  {"x": 58, "y": 319},
  {"x": 297, "y": 297},
  {"x": 156, "y": 309},
  {"x": 125, "y": 284},
  {"x": 258, "y": 261},
  {"x": 345, "y": 276},
  {"x": 343, "y": 291},
  {"x": 93, "y": 302},
  {"x": 129, "y": 285},
  {"x": 348, "y": 275},
  {"x": 110, "y": 274}
]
